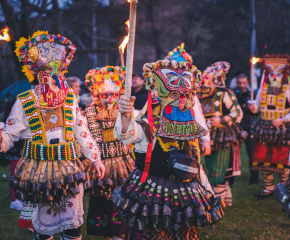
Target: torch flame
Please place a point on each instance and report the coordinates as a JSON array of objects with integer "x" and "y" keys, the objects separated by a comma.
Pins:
[
  {"x": 128, "y": 23},
  {"x": 182, "y": 45},
  {"x": 254, "y": 60},
  {"x": 124, "y": 43},
  {"x": 126, "y": 39},
  {"x": 5, "y": 36}
]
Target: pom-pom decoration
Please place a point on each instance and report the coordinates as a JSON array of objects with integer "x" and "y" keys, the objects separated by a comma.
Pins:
[
  {"x": 106, "y": 79},
  {"x": 35, "y": 52},
  {"x": 179, "y": 54},
  {"x": 215, "y": 74}
]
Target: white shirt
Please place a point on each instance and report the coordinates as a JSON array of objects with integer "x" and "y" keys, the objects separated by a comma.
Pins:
[{"x": 19, "y": 127}]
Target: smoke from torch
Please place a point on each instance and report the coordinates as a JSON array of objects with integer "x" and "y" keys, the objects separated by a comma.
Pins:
[{"x": 5, "y": 35}]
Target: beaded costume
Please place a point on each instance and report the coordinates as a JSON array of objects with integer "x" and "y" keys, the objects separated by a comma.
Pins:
[
  {"x": 155, "y": 199},
  {"x": 218, "y": 101},
  {"x": 49, "y": 174},
  {"x": 106, "y": 85},
  {"x": 272, "y": 144}
]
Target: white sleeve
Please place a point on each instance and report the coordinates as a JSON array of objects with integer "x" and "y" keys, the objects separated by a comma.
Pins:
[
  {"x": 134, "y": 134},
  {"x": 257, "y": 101},
  {"x": 204, "y": 180},
  {"x": 236, "y": 112},
  {"x": 83, "y": 136},
  {"x": 200, "y": 119},
  {"x": 286, "y": 118},
  {"x": 16, "y": 126}
]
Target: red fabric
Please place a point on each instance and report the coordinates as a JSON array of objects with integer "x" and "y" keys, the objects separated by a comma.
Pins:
[
  {"x": 275, "y": 155},
  {"x": 13, "y": 164},
  {"x": 25, "y": 223},
  {"x": 150, "y": 144}
]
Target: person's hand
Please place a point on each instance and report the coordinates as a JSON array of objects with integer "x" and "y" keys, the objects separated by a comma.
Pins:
[
  {"x": 215, "y": 121},
  {"x": 205, "y": 148},
  {"x": 126, "y": 104},
  {"x": 100, "y": 170},
  {"x": 277, "y": 122},
  {"x": 252, "y": 106}
]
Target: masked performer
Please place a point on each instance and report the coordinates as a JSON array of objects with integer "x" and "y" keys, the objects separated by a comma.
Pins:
[
  {"x": 222, "y": 113},
  {"x": 48, "y": 118},
  {"x": 106, "y": 85},
  {"x": 168, "y": 193},
  {"x": 272, "y": 148}
]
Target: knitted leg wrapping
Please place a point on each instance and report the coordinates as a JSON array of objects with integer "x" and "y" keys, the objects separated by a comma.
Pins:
[{"x": 268, "y": 181}]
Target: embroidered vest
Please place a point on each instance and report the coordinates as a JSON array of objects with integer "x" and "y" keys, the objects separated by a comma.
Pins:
[
  {"x": 36, "y": 123},
  {"x": 38, "y": 148},
  {"x": 103, "y": 133},
  {"x": 273, "y": 106},
  {"x": 212, "y": 105}
]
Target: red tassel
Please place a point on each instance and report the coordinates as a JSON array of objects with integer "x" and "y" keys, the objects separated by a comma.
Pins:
[
  {"x": 25, "y": 223},
  {"x": 150, "y": 144}
]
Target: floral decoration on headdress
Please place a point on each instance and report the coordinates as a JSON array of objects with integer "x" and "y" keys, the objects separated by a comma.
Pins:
[
  {"x": 34, "y": 60},
  {"x": 216, "y": 73},
  {"x": 106, "y": 79}
]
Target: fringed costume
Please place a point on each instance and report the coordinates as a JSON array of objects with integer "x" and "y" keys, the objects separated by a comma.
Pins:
[
  {"x": 106, "y": 85},
  {"x": 168, "y": 194},
  {"x": 49, "y": 174},
  {"x": 272, "y": 144},
  {"x": 217, "y": 101}
]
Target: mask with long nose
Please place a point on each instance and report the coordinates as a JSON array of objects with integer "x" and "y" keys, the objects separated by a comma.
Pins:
[
  {"x": 46, "y": 58},
  {"x": 175, "y": 91}
]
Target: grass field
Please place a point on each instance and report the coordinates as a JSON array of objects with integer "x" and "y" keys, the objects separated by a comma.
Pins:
[{"x": 247, "y": 219}]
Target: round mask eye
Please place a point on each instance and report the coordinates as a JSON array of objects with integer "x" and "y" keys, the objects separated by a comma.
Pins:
[
  {"x": 103, "y": 96},
  {"x": 279, "y": 75},
  {"x": 174, "y": 95},
  {"x": 114, "y": 95},
  {"x": 188, "y": 96}
]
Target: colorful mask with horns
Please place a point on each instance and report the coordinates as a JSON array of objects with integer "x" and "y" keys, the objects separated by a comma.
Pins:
[
  {"x": 172, "y": 85},
  {"x": 212, "y": 77},
  {"x": 46, "y": 57}
]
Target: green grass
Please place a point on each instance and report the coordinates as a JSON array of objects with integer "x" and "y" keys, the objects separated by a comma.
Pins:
[{"x": 247, "y": 219}]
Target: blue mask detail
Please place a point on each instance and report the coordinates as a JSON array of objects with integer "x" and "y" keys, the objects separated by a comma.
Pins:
[
  {"x": 177, "y": 57},
  {"x": 177, "y": 115}
]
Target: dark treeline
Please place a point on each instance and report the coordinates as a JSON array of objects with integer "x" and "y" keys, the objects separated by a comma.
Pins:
[{"x": 211, "y": 31}]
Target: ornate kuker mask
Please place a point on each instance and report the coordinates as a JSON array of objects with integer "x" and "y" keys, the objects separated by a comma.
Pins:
[
  {"x": 46, "y": 56},
  {"x": 106, "y": 85},
  {"x": 172, "y": 85},
  {"x": 276, "y": 70},
  {"x": 212, "y": 77}
]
